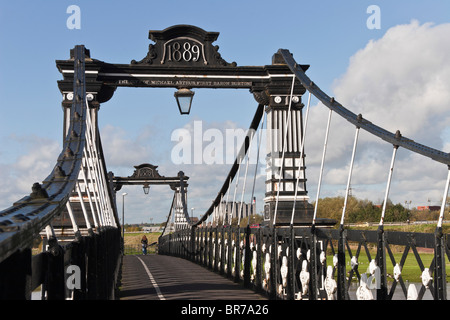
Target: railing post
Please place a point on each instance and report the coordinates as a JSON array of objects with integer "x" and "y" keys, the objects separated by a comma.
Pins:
[
  {"x": 55, "y": 285},
  {"x": 291, "y": 266},
  {"x": 381, "y": 263},
  {"x": 101, "y": 264},
  {"x": 222, "y": 250},
  {"x": 258, "y": 260},
  {"x": 216, "y": 249},
  {"x": 169, "y": 246},
  {"x": 192, "y": 255},
  {"x": 237, "y": 262},
  {"x": 313, "y": 266},
  {"x": 210, "y": 247},
  {"x": 247, "y": 257},
  {"x": 206, "y": 247},
  {"x": 78, "y": 259},
  {"x": 92, "y": 267},
  {"x": 15, "y": 276},
  {"x": 230, "y": 252},
  {"x": 341, "y": 273},
  {"x": 273, "y": 265},
  {"x": 440, "y": 284}
]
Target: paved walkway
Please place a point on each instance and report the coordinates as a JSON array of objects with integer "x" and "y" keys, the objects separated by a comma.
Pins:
[{"x": 160, "y": 277}]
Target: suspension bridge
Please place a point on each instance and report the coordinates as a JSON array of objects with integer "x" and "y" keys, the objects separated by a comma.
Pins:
[{"x": 293, "y": 255}]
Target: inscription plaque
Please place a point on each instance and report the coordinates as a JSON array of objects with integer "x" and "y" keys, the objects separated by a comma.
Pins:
[{"x": 184, "y": 45}]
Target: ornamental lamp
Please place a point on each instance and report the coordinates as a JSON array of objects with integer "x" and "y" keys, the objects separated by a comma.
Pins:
[
  {"x": 184, "y": 100},
  {"x": 146, "y": 188}
]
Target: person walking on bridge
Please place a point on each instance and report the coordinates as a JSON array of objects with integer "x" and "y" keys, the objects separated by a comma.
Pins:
[{"x": 144, "y": 242}]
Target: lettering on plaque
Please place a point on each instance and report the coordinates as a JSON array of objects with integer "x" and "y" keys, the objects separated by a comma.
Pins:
[
  {"x": 184, "y": 45},
  {"x": 184, "y": 49}
]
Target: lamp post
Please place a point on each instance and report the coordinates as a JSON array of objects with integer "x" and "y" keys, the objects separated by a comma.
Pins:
[
  {"x": 123, "y": 214},
  {"x": 184, "y": 100}
]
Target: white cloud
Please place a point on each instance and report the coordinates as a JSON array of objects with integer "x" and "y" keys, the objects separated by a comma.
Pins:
[
  {"x": 33, "y": 164},
  {"x": 401, "y": 81}
]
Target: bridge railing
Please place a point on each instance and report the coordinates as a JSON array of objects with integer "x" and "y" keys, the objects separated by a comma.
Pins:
[
  {"x": 303, "y": 263},
  {"x": 73, "y": 213}
]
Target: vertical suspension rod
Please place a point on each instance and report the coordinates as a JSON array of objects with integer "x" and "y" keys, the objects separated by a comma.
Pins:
[
  {"x": 257, "y": 163},
  {"x": 386, "y": 195},
  {"x": 83, "y": 207},
  {"x": 347, "y": 190},
  {"x": 381, "y": 248},
  {"x": 88, "y": 192},
  {"x": 341, "y": 274},
  {"x": 444, "y": 200},
  {"x": 321, "y": 167},
  {"x": 76, "y": 230},
  {"x": 95, "y": 191}
]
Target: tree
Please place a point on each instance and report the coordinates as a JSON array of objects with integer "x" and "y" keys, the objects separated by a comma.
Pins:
[{"x": 396, "y": 213}]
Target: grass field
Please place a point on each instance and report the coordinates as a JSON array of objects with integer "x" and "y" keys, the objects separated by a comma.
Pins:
[{"x": 132, "y": 242}]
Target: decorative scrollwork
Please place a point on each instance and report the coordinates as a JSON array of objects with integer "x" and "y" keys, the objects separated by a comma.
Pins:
[
  {"x": 146, "y": 171},
  {"x": 148, "y": 59}
]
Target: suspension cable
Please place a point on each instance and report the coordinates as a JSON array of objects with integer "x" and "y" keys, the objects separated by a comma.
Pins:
[
  {"x": 83, "y": 207},
  {"x": 169, "y": 216},
  {"x": 254, "y": 124}
]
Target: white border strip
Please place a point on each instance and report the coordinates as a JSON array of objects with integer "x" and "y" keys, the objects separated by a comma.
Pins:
[
  {"x": 155, "y": 285},
  {"x": 136, "y": 75}
]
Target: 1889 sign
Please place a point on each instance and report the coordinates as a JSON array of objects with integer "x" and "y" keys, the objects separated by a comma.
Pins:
[{"x": 183, "y": 50}]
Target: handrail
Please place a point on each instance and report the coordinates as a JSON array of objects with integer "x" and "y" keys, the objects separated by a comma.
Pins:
[{"x": 20, "y": 223}]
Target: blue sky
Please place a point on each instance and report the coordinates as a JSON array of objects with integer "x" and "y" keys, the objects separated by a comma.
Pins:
[{"x": 33, "y": 34}]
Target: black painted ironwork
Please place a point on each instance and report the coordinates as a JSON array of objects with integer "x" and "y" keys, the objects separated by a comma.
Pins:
[
  {"x": 97, "y": 253},
  {"x": 290, "y": 262},
  {"x": 296, "y": 245},
  {"x": 285, "y": 262}
]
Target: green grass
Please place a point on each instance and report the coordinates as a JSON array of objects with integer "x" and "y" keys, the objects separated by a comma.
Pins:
[
  {"x": 132, "y": 242},
  {"x": 410, "y": 270}
]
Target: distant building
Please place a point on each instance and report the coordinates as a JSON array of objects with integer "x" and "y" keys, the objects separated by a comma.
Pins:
[
  {"x": 152, "y": 229},
  {"x": 429, "y": 208}
]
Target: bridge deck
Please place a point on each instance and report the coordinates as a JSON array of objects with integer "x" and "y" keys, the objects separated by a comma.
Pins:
[{"x": 160, "y": 277}]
